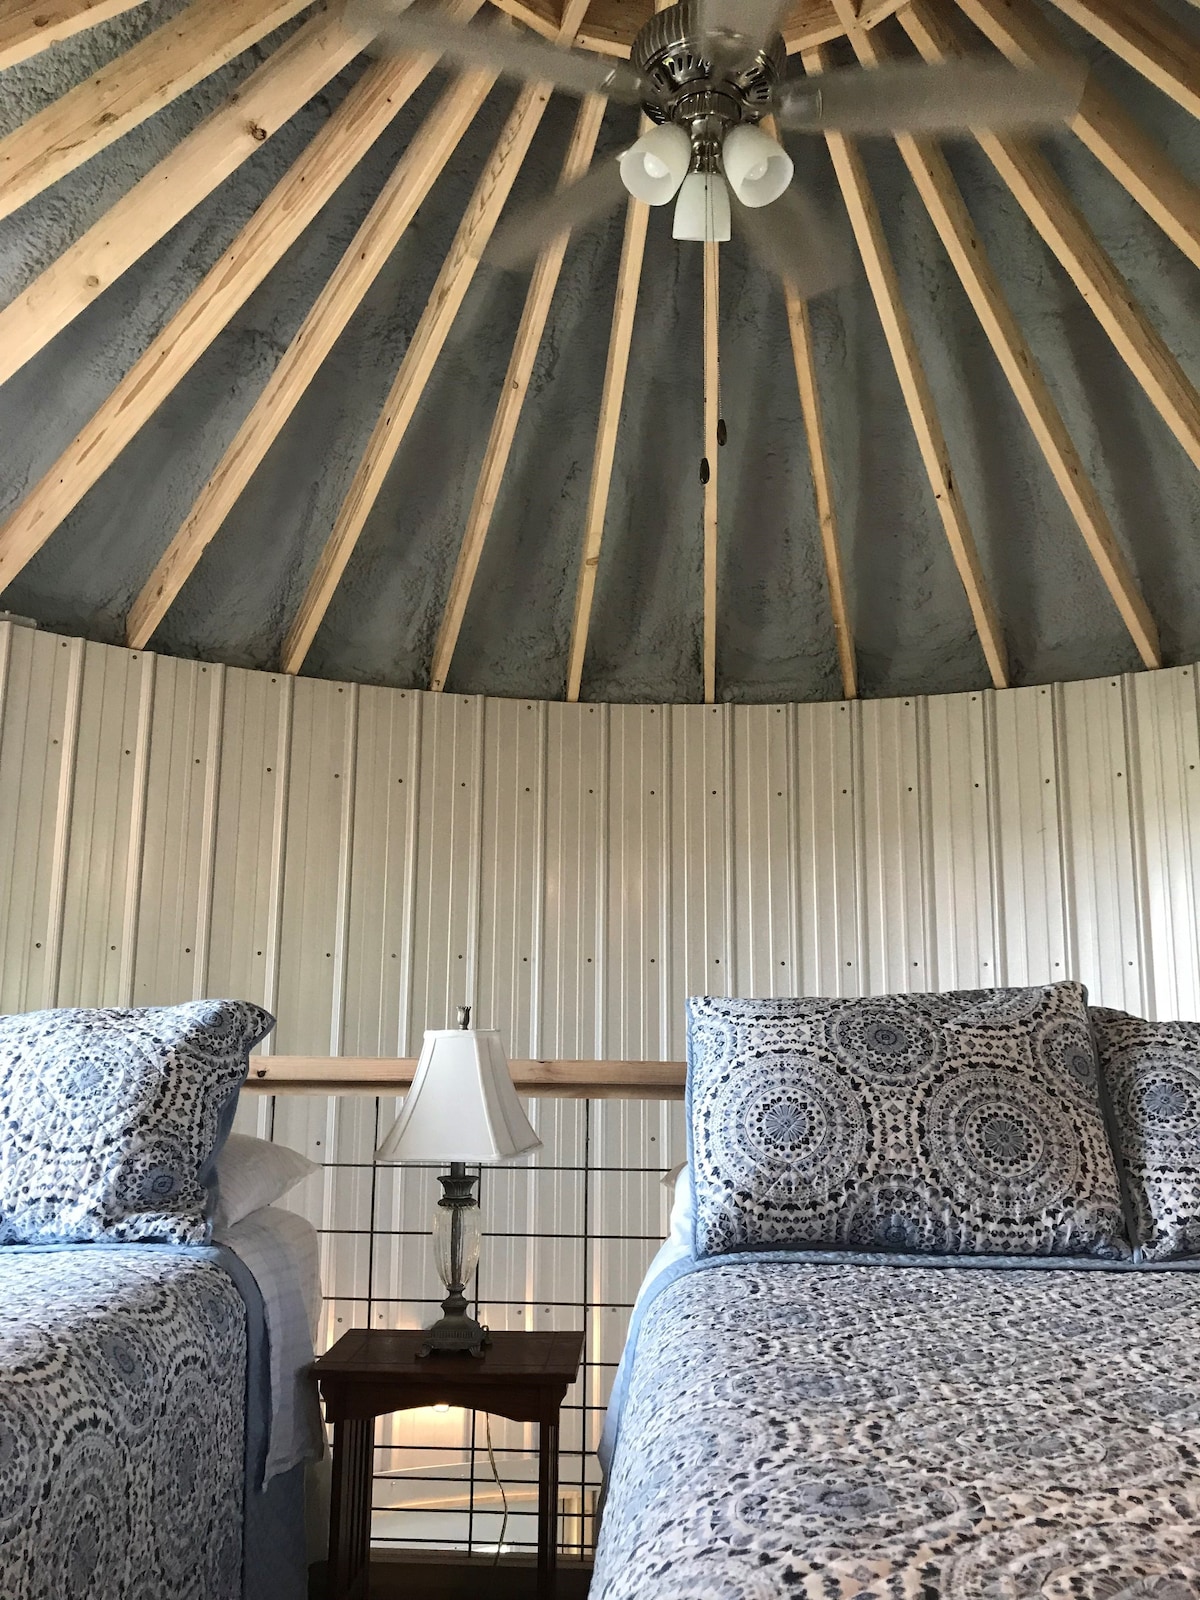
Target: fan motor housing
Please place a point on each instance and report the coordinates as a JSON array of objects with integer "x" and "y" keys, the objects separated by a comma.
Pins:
[{"x": 703, "y": 98}]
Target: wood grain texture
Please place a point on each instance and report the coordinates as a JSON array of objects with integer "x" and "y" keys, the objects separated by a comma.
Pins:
[
  {"x": 804, "y": 356},
  {"x": 948, "y": 211},
  {"x": 512, "y": 400},
  {"x": 1142, "y": 34},
  {"x": 344, "y": 139},
  {"x": 157, "y": 70},
  {"x": 1138, "y": 162},
  {"x": 712, "y": 452},
  {"x": 1049, "y": 206},
  {"x": 28, "y": 27},
  {"x": 458, "y": 271},
  {"x": 268, "y": 98},
  {"x": 567, "y": 1080},
  {"x": 914, "y": 383},
  {"x": 366, "y": 255}
]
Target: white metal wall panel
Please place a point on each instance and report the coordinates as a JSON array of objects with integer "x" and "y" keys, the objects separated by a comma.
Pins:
[
  {"x": 1101, "y": 861},
  {"x": 178, "y": 848},
  {"x": 958, "y": 811},
  {"x": 107, "y": 810},
  {"x": 42, "y": 677},
  {"x": 638, "y": 1016},
  {"x": 1032, "y": 890},
  {"x": 894, "y": 889},
  {"x": 382, "y": 874},
  {"x": 574, "y": 880},
  {"x": 763, "y": 865},
  {"x": 702, "y": 933},
  {"x": 1166, "y": 745},
  {"x": 827, "y": 850}
]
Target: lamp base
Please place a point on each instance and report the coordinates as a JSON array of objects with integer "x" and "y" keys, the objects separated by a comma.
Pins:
[{"x": 456, "y": 1334}]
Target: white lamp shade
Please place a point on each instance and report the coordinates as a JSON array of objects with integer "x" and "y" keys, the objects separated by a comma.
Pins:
[
  {"x": 703, "y": 211},
  {"x": 653, "y": 169},
  {"x": 758, "y": 169},
  {"x": 462, "y": 1105}
]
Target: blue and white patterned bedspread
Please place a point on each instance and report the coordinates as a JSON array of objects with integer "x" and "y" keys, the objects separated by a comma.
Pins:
[
  {"x": 122, "y": 1414},
  {"x": 865, "y": 1431}
]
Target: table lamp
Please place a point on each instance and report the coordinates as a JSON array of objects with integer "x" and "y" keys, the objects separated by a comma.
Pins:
[{"x": 462, "y": 1107}]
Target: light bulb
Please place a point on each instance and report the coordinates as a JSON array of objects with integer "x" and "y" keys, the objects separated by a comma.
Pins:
[
  {"x": 758, "y": 169},
  {"x": 703, "y": 211},
  {"x": 653, "y": 169}
]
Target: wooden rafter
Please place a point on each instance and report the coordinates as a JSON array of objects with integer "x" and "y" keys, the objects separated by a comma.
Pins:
[
  {"x": 611, "y": 25},
  {"x": 162, "y": 66},
  {"x": 1138, "y": 162},
  {"x": 458, "y": 270},
  {"x": 512, "y": 400},
  {"x": 397, "y": 203},
  {"x": 1141, "y": 33},
  {"x": 540, "y": 15},
  {"x": 914, "y": 383},
  {"x": 804, "y": 355},
  {"x": 1065, "y": 230},
  {"x": 629, "y": 277},
  {"x": 269, "y": 97},
  {"x": 948, "y": 211},
  {"x": 336, "y": 149},
  {"x": 28, "y": 27},
  {"x": 712, "y": 453}
]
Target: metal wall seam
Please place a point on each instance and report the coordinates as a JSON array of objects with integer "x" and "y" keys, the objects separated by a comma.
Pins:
[
  {"x": 341, "y": 937},
  {"x": 538, "y": 931},
  {"x": 137, "y": 825},
  {"x": 286, "y": 685},
  {"x": 208, "y": 826}
]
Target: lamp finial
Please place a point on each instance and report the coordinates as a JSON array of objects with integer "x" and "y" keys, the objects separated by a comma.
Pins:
[{"x": 464, "y": 1016}]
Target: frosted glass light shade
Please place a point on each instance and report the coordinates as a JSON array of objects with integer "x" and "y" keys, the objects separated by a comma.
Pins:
[
  {"x": 462, "y": 1105},
  {"x": 703, "y": 211},
  {"x": 653, "y": 168},
  {"x": 758, "y": 169}
]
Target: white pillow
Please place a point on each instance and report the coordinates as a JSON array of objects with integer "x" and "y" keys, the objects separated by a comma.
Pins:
[{"x": 252, "y": 1173}]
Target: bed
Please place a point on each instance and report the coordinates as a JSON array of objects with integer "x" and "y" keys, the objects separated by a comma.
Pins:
[
  {"x": 147, "y": 1448},
  {"x": 848, "y": 1422},
  {"x": 156, "y": 1412}
]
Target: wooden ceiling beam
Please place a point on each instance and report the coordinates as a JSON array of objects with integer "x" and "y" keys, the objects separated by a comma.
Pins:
[
  {"x": 1062, "y": 225},
  {"x": 157, "y": 70},
  {"x": 1144, "y": 36},
  {"x": 27, "y": 27},
  {"x": 458, "y": 271},
  {"x": 616, "y": 371},
  {"x": 804, "y": 356},
  {"x": 1138, "y": 162},
  {"x": 333, "y": 153},
  {"x": 948, "y": 211},
  {"x": 269, "y": 97},
  {"x": 712, "y": 454},
  {"x": 612, "y": 25},
  {"x": 512, "y": 400},
  {"x": 914, "y": 383},
  {"x": 540, "y": 15},
  {"x": 368, "y": 252}
]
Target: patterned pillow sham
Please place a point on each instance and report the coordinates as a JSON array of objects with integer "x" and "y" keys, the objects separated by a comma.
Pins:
[
  {"x": 965, "y": 1123},
  {"x": 1152, "y": 1073},
  {"x": 112, "y": 1119}
]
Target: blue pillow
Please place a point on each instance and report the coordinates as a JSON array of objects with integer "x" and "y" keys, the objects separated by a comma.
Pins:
[
  {"x": 965, "y": 1123},
  {"x": 113, "y": 1119}
]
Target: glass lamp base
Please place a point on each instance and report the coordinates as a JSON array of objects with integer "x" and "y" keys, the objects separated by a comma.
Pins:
[{"x": 456, "y": 1239}]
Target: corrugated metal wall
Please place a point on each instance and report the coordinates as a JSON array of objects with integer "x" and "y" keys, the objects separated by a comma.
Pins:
[{"x": 362, "y": 860}]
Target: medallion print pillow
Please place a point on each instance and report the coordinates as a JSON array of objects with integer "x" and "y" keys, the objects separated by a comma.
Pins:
[
  {"x": 112, "y": 1119},
  {"x": 1152, "y": 1073},
  {"x": 965, "y": 1123}
]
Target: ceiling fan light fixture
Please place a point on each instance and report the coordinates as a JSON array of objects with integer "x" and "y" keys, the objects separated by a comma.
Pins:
[
  {"x": 654, "y": 168},
  {"x": 758, "y": 169},
  {"x": 703, "y": 213}
]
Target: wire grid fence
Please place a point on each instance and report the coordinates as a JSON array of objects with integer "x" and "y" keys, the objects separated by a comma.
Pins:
[{"x": 568, "y": 1234}]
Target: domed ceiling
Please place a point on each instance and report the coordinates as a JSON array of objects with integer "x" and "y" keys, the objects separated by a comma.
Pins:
[{"x": 263, "y": 403}]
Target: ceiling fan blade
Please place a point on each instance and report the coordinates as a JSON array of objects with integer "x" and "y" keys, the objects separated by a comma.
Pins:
[
  {"x": 755, "y": 20},
  {"x": 519, "y": 240},
  {"x": 511, "y": 53},
  {"x": 910, "y": 97},
  {"x": 792, "y": 239}
]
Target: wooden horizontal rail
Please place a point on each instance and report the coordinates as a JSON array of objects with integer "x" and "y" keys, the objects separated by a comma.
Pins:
[{"x": 563, "y": 1080}]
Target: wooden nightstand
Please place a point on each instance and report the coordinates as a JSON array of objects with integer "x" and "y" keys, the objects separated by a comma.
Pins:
[{"x": 371, "y": 1372}]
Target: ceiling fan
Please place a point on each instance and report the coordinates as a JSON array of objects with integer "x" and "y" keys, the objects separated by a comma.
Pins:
[{"x": 708, "y": 73}]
